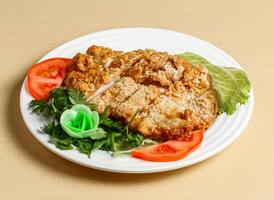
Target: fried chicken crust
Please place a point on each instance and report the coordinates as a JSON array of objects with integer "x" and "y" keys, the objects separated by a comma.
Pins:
[{"x": 172, "y": 96}]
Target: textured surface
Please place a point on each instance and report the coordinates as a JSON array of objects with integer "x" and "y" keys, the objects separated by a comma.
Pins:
[
  {"x": 173, "y": 97},
  {"x": 242, "y": 28}
]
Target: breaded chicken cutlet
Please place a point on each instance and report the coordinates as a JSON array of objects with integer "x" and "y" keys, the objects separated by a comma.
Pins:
[{"x": 173, "y": 97}]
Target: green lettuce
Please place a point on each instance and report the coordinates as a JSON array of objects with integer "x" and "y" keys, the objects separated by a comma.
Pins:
[{"x": 231, "y": 85}]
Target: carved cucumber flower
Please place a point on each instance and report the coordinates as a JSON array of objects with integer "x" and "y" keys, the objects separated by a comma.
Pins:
[{"x": 81, "y": 122}]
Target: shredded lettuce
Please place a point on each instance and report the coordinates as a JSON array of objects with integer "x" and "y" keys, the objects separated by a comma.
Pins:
[{"x": 231, "y": 85}]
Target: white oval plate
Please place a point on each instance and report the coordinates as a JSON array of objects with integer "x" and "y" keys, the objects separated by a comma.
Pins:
[{"x": 222, "y": 133}]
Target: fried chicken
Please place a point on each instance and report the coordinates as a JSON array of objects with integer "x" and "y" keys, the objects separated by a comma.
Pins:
[{"x": 172, "y": 96}]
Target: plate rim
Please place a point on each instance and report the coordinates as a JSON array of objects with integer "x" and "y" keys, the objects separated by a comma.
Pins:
[{"x": 159, "y": 169}]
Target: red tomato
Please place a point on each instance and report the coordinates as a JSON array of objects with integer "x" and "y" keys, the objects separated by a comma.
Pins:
[
  {"x": 47, "y": 75},
  {"x": 171, "y": 150}
]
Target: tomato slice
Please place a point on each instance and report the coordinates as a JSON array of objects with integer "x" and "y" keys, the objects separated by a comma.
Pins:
[
  {"x": 47, "y": 75},
  {"x": 171, "y": 150}
]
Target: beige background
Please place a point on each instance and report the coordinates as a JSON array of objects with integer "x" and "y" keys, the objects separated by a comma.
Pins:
[{"x": 244, "y": 29}]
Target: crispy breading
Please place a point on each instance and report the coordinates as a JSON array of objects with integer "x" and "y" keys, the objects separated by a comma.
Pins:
[
  {"x": 140, "y": 100},
  {"x": 102, "y": 54},
  {"x": 116, "y": 94},
  {"x": 173, "y": 96},
  {"x": 89, "y": 72}
]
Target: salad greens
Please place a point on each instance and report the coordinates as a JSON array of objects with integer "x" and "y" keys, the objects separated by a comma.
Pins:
[
  {"x": 231, "y": 85},
  {"x": 60, "y": 99},
  {"x": 114, "y": 137}
]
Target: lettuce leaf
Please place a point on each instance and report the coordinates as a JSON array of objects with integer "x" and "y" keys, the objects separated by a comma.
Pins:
[{"x": 231, "y": 85}]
